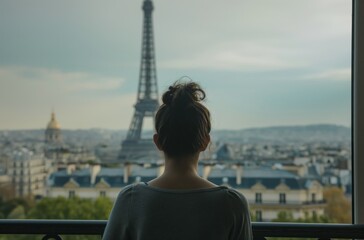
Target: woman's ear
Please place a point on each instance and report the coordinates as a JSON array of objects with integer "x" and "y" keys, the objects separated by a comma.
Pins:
[
  {"x": 155, "y": 140},
  {"x": 207, "y": 142}
]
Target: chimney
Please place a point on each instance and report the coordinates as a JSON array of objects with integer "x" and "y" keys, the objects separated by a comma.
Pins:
[
  {"x": 95, "y": 169},
  {"x": 239, "y": 174},
  {"x": 127, "y": 171},
  {"x": 71, "y": 168}
]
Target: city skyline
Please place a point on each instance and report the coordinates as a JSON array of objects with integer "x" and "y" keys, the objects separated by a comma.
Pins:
[{"x": 257, "y": 69}]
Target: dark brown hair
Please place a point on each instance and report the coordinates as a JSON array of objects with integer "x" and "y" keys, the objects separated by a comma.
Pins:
[{"x": 182, "y": 122}]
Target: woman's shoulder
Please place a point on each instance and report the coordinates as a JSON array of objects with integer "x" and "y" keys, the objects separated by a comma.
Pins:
[
  {"x": 232, "y": 194},
  {"x": 125, "y": 192},
  {"x": 237, "y": 198}
]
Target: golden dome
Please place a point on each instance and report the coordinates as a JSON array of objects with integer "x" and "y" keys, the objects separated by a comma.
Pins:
[{"x": 53, "y": 124}]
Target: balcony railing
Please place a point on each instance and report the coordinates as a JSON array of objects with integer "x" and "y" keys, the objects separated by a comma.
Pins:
[
  {"x": 53, "y": 229},
  {"x": 320, "y": 202}
]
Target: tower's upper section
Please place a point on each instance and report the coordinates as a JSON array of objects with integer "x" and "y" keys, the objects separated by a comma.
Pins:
[
  {"x": 148, "y": 6},
  {"x": 134, "y": 147},
  {"x": 53, "y": 123},
  {"x": 148, "y": 88}
]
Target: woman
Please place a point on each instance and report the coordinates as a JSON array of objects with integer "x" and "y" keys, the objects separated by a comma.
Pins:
[{"x": 180, "y": 204}]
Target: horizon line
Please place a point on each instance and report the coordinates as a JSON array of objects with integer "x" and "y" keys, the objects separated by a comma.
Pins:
[{"x": 215, "y": 129}]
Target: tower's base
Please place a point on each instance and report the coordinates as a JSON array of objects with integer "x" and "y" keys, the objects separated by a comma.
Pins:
[{"x": 139, "y": 152}]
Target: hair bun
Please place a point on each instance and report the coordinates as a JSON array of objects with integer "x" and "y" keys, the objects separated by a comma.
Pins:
[
  {"x": 167, "y": 97},
  {"x": 183, "y": 94}
]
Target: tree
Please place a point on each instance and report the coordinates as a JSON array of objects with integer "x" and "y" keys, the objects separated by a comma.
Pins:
[
  {"x": 287, "y": 216},
  {"x": 6, "y": 207},
  {"x": 17, "y": 213},
  {"x": 7, "y": 191},
  {"x": 74, "y": 208},
  {"x": 338, "y": 207},
  {"x": 284, "y": 216},
  {"x": 102, "y": 208}
]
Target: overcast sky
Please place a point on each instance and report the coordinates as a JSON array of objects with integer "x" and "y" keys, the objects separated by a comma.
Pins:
[{"x": 262, "y": 62}]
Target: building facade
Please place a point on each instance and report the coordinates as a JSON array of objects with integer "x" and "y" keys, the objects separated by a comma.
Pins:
[
  {"x": 28, "y": 172},
  {"x": 268, "y": 191}
]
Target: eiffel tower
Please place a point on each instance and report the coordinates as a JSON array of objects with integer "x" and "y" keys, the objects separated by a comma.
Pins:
[{"x": 134, "y": 149}]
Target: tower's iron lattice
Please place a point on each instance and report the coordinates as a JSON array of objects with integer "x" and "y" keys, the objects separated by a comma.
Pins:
[{"x": 134, "y": 148}]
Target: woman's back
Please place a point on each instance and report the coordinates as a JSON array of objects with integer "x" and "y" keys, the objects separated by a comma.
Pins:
[
  {"x": 145, "y": 212},
  {"x": 180, "y": 204}
]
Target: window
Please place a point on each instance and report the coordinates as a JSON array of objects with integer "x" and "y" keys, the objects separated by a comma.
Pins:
[
  {"x": 71, "y": 194},
  {"x": 102, "y": 194},
  {"x": 258, "y": 215},
  {"x": 257, "y": 71},
  {"x": 282, "y": 198},
  {"x": 258, "y": 197},
  {"x": 314, "y": 214}
]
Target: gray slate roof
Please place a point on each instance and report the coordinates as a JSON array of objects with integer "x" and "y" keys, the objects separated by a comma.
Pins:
[{"x": 268, "y": 177}]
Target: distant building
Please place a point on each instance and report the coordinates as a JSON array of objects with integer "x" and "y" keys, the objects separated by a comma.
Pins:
[
  {"x": 268, "y": 191},
  {"x": 95, "y": 181},
  {"x": 28, "y": 173},
  {"x": 53, "y": 136},
  {"x": 135, "y": 149},
  {"x": 61, "y": 154},
  {"x": 4, "y": 163},
  {"x": 224, "y": 152}
]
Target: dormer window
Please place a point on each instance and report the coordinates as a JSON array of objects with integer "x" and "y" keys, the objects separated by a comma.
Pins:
[
  {"x": 258, "y": 197},
  {"x": 282, "y": 198}
]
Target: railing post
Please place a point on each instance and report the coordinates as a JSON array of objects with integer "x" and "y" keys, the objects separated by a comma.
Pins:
[{"x": 52, "y": 236}]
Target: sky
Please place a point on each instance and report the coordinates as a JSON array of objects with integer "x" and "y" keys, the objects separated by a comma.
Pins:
[{"x": 261, "y": 62}]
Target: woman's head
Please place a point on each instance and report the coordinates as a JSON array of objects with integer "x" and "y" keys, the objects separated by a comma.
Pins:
[{"x": 182, "y": 123}]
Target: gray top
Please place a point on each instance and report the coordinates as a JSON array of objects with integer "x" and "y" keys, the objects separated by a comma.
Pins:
[{"x": 143, "y": 212}]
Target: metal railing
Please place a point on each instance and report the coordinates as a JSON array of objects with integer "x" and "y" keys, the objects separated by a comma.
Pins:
[
  {"x": 287, "y": 203},
  {"x": 53, "y": 229}
]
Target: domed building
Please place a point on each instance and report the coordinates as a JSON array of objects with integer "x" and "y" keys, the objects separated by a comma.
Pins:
[
  {"x": 53, "y": 134},
  {"x": 62, "y": 154}
]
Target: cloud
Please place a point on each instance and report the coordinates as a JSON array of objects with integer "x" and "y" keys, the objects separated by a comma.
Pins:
[
  {"x": 58, "y": 80},
  {"x": 80, "y": 99},
  {"x": 107, "y": 35},
  {"x": 237, "y": 56},
  {"x": 251, "y": 34},
  {"x": 112, "y": 112},
  {"x": 341, "y": 74},
  {"x": 69, "y": 60}
]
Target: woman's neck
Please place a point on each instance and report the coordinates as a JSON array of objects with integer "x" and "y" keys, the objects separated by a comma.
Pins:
[
  {"x": 181, "y": 166},
  {"x": 181, "y": 173}
]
